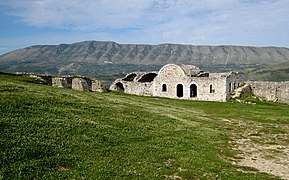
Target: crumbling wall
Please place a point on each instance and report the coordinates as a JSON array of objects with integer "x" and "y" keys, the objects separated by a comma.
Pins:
[
  {"x": 139, "y": 83},
  {"x": 46, "y": 78},
  {"x": 271, "y": 91},
  {"x": 97, "y": 86},
  {"x": 138, "y": 88},
  {"x": 77, "y": 82},
  {"x": 61, "y": 82},
  {"x": 131, "y": 87},
  {"x": 80, "y": 84}
]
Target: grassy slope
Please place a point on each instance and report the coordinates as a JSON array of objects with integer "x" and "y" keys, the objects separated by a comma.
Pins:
[
  {"x": 278, "y": 72},
  {"x": 60, "y": 133}
]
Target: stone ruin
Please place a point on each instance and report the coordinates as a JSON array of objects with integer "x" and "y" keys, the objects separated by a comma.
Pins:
[
  {"x": 76, "y": 82},
  {"x": 180, "y": 81},
  {"x": 139, "y": 83},
  {"x": 271, "y": 91},
  {"x": 177, "y": 81},
  {"x": 189, "y": 82},
  {"x": 80, "y": 83}
]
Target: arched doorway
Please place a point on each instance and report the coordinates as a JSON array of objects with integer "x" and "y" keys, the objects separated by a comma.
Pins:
[
  {"x": 193, "y": 90},
  {"x": 119, "y": 87},
  {"x": 180, "y": 90}
]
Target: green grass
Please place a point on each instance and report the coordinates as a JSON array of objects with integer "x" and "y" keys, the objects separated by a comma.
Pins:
[{"x": 51, "y": 133}]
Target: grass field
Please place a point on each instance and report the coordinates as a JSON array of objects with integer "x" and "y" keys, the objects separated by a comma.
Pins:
[{"x": 51, "y": 133}]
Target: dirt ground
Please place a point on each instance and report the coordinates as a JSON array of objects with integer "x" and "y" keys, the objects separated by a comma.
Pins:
[{"x": 262, "y": 146}]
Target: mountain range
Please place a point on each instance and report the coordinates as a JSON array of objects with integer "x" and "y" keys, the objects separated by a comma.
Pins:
[{"x": 88, "y": 55}]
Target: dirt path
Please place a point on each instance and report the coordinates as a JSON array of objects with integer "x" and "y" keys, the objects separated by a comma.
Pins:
[
  {"x": 262, "y": 146},
  {"x": 271, "y": 159}
]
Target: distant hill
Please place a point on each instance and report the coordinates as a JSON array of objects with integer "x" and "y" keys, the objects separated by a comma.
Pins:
[
  {"x": 86, "y": 57},
  {"x": 278, "y": 72}
]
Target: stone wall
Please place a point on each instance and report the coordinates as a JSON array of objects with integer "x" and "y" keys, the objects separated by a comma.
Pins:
[
  {"x": 207, "y": 89},
  {"x": 80, "y": 84},
  {"x": 97, "y": 86},
  {"x": 62, "y": 82},
  {"x": 194, "y": 84},
  {"x": 131, "y": 87},
  {"x": 271, "y": 91},
  {"x": 138, "y": 83},
  {"x": 77, "y": 82},
  {"x": 234, "y": 80},
  {"x": 180, "y": 81}
]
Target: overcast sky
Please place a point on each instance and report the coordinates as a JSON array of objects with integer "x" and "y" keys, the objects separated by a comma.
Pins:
[{"x": 199, "y": 22}]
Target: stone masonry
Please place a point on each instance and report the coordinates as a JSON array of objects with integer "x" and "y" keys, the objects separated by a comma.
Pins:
[
  {"x": 80, "y": 83},
  {"x": 271, "y": 91},
  {"x": 180, "y": 81},
  {"x": 77, "y": 82}
]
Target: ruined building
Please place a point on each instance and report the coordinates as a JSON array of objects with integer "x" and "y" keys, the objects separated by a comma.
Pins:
[
  {"x": 271, "y": 91},
  {"x": 76, "y": 82},
  {"x": 80, "y": 83},
  {"x": 180, "y": 81}
]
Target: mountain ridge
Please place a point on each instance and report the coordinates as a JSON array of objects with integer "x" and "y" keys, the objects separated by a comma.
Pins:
[
  {"x": 111, "y": 52},
  {"x": 97, "y": 58}
]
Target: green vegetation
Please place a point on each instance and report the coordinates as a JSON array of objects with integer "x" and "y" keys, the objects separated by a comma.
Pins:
[
  {"x": 278, "y": 72},
  {"x": 245, "y": 68},
  {"x": 51, "y": 133},
  {"x": 109, "y": 72}
]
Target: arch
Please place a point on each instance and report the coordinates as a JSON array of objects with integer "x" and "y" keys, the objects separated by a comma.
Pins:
[
  {"x": 193, "y": 90},
  {"x": 180, "y": 90},
  {"x": 130, "y": 77},
  {"x": 119, "y": 87},
  {"x": 149, "y": 77},
  {"x": 164, "y": 87},
  {"x": 183, "y": 69},
  {"x": 168, "y": 67}
]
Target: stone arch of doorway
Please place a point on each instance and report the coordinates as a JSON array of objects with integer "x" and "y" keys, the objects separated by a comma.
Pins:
[
  {"x": 193, "y": 90},
  {"x": 180, "y": 90},
  {"x": 119, "y": 87}
]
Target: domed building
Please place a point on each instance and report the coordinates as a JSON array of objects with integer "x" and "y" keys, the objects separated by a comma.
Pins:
[{"x": 180, "y": 81}]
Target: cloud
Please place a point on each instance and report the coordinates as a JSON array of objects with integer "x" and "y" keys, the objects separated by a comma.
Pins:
[
  {"x": 254, "y": 22},
  {"x": 78, "y": 14}
]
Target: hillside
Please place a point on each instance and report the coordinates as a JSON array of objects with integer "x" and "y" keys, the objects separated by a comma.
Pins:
[
  {"x": 50, "y": 133},
  {"x": 89, "y": 55},
  {"x": 277, "y": 72}
]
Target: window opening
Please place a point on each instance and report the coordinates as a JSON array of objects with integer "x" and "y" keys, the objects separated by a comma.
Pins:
[
  {"x": 164, "y": 87},
  {"x": 211, "y": 88},
  {"x": 230, "y": 85}
]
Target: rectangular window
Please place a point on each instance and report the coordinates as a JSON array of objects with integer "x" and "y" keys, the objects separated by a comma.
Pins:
[
  {"x": 211, "y": 88},
  {"x": 164, "y": 87}
]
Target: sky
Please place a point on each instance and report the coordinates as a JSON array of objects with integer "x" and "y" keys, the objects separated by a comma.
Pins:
[{"x": 198, "y": 22}]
